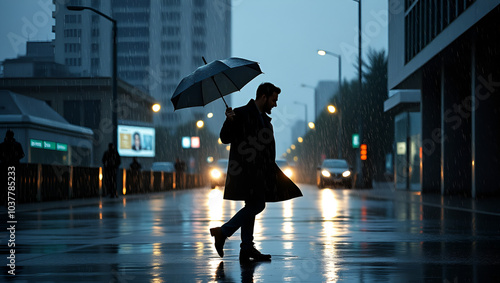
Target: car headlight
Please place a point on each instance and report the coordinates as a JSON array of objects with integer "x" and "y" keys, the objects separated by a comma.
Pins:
[
  {"x": 215, "y": 173},
  {"x": 288, "y": 172},
  {"x": 325, "y": 173},
  {"x": 346, "y": 174}
]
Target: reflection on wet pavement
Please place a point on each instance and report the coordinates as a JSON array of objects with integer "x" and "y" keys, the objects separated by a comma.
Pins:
[{"x": 326, "y": 236}]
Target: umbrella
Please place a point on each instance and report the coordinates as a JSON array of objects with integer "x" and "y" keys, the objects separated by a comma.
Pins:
[{"x": 214, "y": 80}]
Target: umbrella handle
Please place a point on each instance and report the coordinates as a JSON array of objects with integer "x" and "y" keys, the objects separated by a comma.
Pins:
[{"x": 213, "y": 79}]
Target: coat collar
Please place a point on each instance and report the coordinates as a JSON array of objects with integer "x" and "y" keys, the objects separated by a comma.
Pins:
[{"x": 251, "y": 104}]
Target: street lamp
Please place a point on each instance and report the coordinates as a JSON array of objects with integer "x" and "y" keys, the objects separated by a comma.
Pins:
[
  {"x": 114, "y": 64},
  {"x": 315, "y": 103},
  {"x": 156, "y": 107},
  {"x": 322, "y": 52},
  {"x": 332, "y": 110},
  {"x": 200, "y": 124},
  {"x": 305, "y": 109}
]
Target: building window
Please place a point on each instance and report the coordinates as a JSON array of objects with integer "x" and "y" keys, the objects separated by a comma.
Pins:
[
  {"x": 172, "y": 17},
  {"x": 94, "y": 63},
  {"x": 199, "y": 17},
  {"x": 95, "y": 19},
  {"x": 72, "y": 19},
  {"x": 171, "y": 60},
  {"x": 73, "y": 61},
  {"x": 133, "y": 47},
  {"x": 171, "y": 3},
  {"x": 138, "y": 17},
  {"x": 199, "y": 3},
  {"x": 171, "y": 45},
  {"x": 133, "y": 60},
  {"x": 72, "y": 47},
  {"x": 171, "y": 31},
  {"x": 425, "y": 19},
  {"x": 199, "y": 46},
  {"x": 130, "y": 3},
  {"x": 94, "y": 47},
  {"x": 95, "y": 32},
  {"x": 72, "y": 32},
  {"x": 133, "y": 32},
  {"x": 199, "y": 31}
]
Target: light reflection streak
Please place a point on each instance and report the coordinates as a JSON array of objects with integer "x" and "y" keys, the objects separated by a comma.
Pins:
[
  {"x": 100, "y": 210},
  {"x": 287, "y": 227},
  {"x": 215, "y": 207},
  {"x": 329, "y": 210}
]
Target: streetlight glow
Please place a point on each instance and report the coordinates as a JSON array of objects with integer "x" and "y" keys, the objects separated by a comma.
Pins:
[
  {"x": 210, "y": 115},
  {"x": 200, "y": 124},
  {"x": 300, "y": 139},
  {"x": 156, "y": 107},
  {"x": 321, "y": 52},
  {"x": 311, "y": 125},
  {"x": 331, "y": 109}
]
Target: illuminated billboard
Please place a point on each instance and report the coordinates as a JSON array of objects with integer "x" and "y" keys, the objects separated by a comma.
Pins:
[{"x": 136, "y": 141}]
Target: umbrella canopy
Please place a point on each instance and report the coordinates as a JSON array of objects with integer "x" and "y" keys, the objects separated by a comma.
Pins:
[{"x": 214, "y": 80}]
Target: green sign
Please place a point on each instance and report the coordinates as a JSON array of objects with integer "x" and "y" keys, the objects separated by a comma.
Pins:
[
  {"x": 48, "y": 145},
  {"x": 36, "y": 143},
  {"x": 355, "y": 141},
  {"x": 62, "y": 147}
]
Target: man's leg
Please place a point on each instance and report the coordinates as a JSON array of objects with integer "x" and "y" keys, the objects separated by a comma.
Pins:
[{"x": 245, "y": 218}]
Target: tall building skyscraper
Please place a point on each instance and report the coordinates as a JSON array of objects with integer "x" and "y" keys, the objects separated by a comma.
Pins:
[{"x": 159, "y": 42}]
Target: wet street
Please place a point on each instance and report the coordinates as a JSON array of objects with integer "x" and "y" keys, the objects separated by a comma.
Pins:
[{"x": 329, "y": 235}]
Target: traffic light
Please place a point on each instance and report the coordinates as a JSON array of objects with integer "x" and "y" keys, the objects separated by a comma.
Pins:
[{"x": 363, "y": 152}]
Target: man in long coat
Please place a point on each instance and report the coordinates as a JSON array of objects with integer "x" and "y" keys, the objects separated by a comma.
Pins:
[{"x": 252, "y": 175}]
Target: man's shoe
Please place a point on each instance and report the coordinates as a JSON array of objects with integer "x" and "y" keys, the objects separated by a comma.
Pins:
[
  {"x": 253, "y": 254},
  {"x": 220, "y": 239}
]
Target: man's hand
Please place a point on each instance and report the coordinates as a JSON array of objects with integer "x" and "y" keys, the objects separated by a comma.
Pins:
[{"x": 230, "y": 114}]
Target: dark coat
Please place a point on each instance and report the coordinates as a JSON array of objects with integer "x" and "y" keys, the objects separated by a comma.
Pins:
[{"x": 252, "y": 170}]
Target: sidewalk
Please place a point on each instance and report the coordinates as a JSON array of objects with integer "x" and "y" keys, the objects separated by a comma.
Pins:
[{"x": 385, "y": 190}]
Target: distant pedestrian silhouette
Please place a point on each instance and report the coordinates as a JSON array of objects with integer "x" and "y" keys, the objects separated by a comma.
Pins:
[
  {"x": 180, "y": 168},
  {"x": 111, "y": 161},
  {"x": 253, "y": 175},
  {"x": 135, "y": 174},
  {"x": 10, "y": 150}
]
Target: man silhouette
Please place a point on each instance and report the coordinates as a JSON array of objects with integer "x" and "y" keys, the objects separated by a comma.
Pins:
[{"x": 252, "y": 174}]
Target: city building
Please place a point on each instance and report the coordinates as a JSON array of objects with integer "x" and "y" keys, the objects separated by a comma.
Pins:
[
  {"x": 45, "y": 136},
  {"x": 323, "y": 93},
  {"x": 38, "y": 62},
  {"x": 87, "y": 102},
  {"x": 447, "y": 51},
  {"x": 158, "y": 43}
]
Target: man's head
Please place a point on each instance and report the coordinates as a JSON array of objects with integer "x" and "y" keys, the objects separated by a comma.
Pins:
[
  {"x": 9, "y": 135},
  {"x": 267, "y": 97}
]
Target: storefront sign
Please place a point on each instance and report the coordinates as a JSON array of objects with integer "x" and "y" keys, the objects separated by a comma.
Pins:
[{"x": 48, "y": 145}]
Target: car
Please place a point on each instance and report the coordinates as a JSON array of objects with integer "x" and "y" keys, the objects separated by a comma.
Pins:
[
  {"x": 335, "y": 172},
  {"x": 163, "y": 167},
  {"x": 217, "y": 173},
  {"x": 286, "y": 168}
]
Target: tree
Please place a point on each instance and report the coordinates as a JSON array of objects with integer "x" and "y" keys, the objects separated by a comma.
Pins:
[{"x": 358, "y": 109}]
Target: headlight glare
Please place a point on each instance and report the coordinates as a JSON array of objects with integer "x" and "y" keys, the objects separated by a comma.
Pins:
[
  {"x": 215, "y": 173},
  {"x": 346, "y": 174},
  {"x": 325, "y": 173}
]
